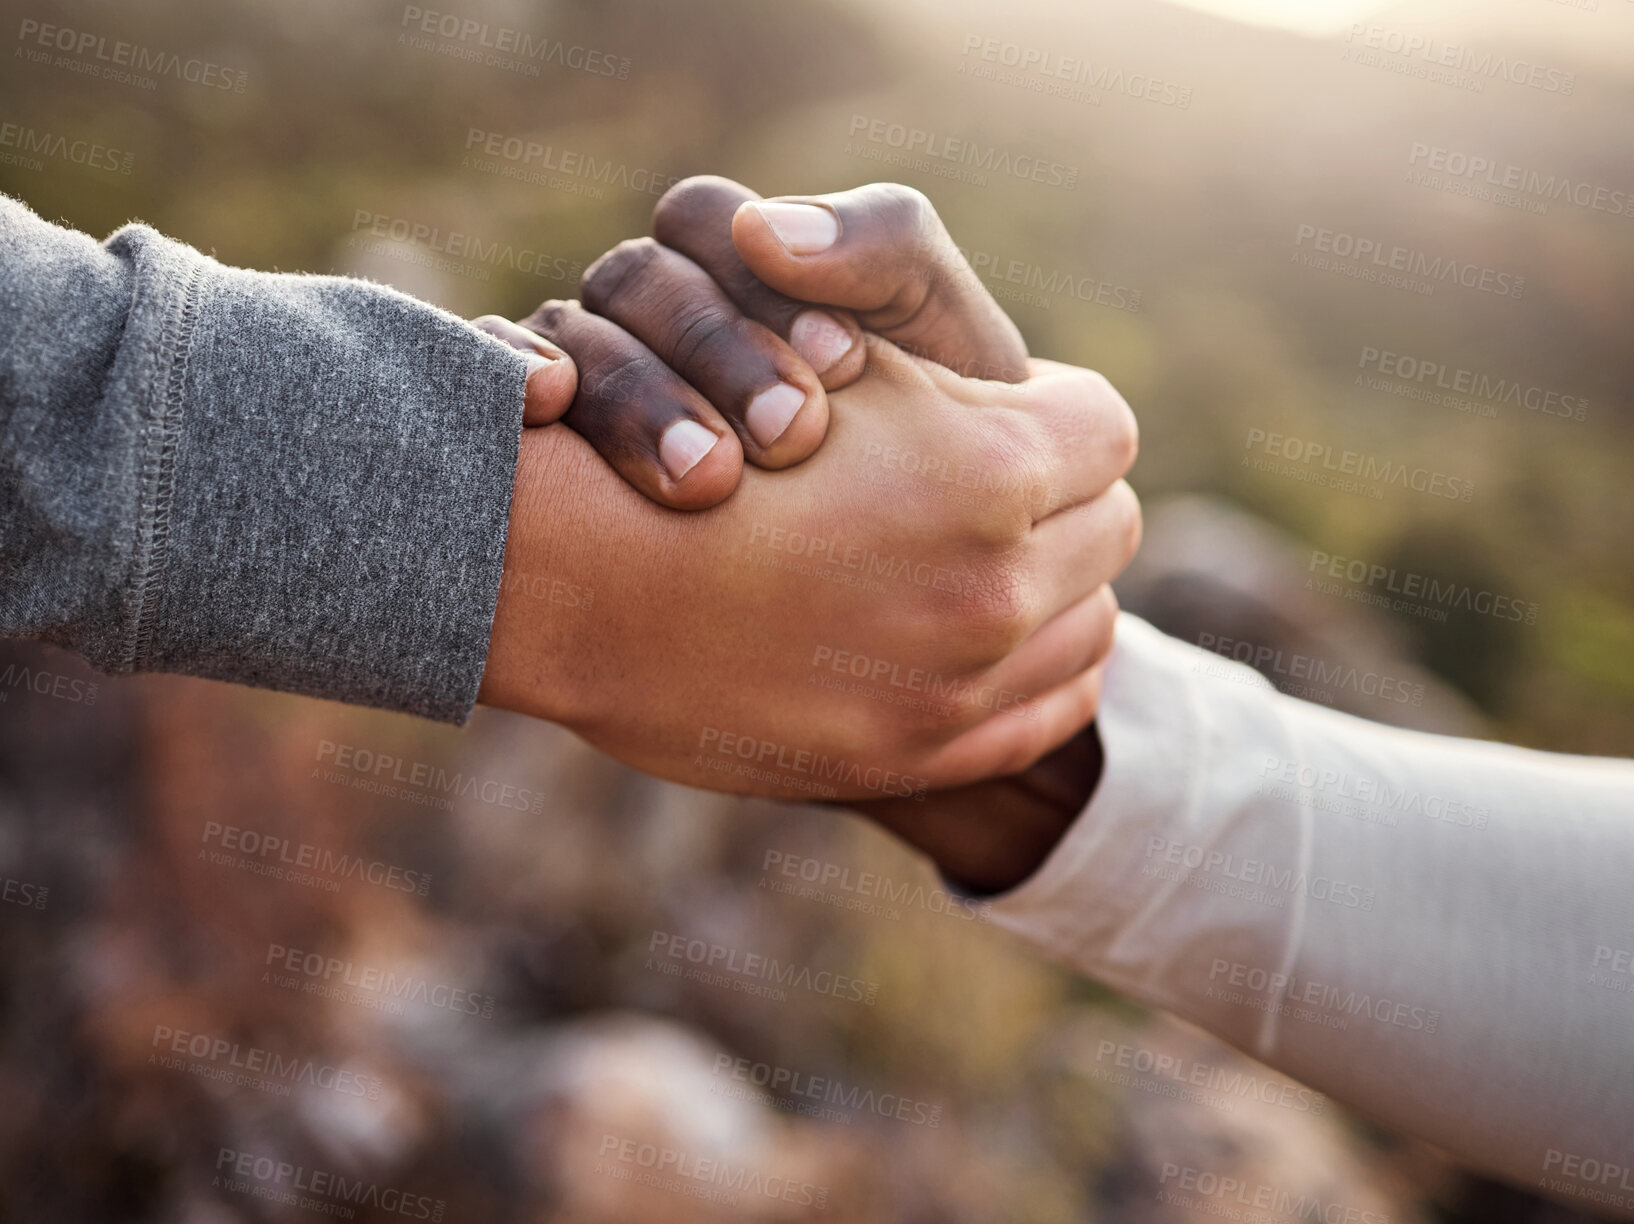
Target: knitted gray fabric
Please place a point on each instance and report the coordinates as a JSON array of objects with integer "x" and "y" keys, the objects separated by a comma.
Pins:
[{"x": 295, "y": 482}]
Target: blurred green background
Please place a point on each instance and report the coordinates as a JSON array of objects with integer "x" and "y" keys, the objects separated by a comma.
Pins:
[{"x": 1171, "y": 263}]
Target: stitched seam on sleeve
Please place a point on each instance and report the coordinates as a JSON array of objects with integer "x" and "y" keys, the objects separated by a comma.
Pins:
[{"x": 159, "y": 474}]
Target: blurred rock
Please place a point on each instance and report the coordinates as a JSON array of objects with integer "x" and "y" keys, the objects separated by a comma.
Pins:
[
  {"x": 1215, "y": 575},
  {"x": 1206, "y": 1133}
]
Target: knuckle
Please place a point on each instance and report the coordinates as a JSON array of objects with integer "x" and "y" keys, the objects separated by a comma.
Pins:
[
  {"x": 1009, "y": 475},
  {"x": 909, "y": 242},
  {"x": 971, "y": 698},
  {"x": 1105, "y": 619},
  {"x": 992, "y": 610},
  {"x": 550, "y": 319},
  {"x": 1128, "y": 520},
  {"x": 1107, "y": 601},
  {"x": 901, "y": 210},
  {"x": 702, "y": 338},
  {"x": 1027, "y": 747},
  {"x": 1124, "y": 429},
  {"x": 1090, "y": 412},
  {"x": 694, "y": 200},
  {"x": 621, "y": 268},
  {"x": 615, "y": 379}
]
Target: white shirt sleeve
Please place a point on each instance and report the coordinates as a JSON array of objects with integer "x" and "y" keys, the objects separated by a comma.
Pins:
[{"x": 1439, "y": 932}]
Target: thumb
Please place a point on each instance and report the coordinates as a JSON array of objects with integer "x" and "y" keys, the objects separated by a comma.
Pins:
[
  {"x": 553, "y": 379},
  {"x": 882, "y": 252}
]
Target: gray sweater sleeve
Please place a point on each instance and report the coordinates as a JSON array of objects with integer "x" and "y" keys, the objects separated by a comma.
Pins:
[{"x": 294, "y": 482}]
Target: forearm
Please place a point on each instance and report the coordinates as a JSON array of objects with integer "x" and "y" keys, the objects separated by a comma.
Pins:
[
  {"x": 294, "y": 482},
  {"x": 1433, "y": 930}
]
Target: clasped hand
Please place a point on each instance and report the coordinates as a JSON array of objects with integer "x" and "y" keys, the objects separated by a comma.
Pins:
[{"x": 919, "y": 602}]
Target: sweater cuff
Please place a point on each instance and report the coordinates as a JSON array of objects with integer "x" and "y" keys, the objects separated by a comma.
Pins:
[
  {"x": 1079, "y": 903},
  {"x": 326, "y": 482}
]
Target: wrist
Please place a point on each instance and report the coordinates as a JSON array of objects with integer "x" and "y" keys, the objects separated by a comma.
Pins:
[
  {"x": 991, "y": 837},
  {"x": 542, "y": 602}
]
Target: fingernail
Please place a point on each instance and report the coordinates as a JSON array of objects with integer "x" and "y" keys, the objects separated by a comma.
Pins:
[
  {"x": 771, "y": 411},
  {"x": 819, "y": 339},
  {"x": 683, "y": 444},
  {"x": 804, "y": 229},
  {"x": 536, "y": 361}
]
